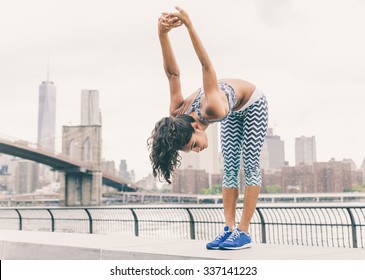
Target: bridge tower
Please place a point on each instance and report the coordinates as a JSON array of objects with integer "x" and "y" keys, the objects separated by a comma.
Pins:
[{"x": 82, "y": 187}]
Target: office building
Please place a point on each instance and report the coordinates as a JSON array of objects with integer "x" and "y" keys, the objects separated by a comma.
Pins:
[
  {"x": 351, "y": 162},
  {"x": 297, "y": 179},
  {"x": 189, "y": 181},
  {"x": 47, "y": 116},
  {"x": 9, "y": 164},
  {"x": 273, "y": 154},
  {"x": 321, "y": 177},
  {"x": 123, "y": 170},
  {"x": 47, "y": 125},
  {"x": 332, "y": 176},
  {"x": 305, "y": 150},
  {"x": 26, "y": 178}
]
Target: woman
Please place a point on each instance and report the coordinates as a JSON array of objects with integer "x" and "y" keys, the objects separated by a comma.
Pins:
[{"x": 237, "y": 104}]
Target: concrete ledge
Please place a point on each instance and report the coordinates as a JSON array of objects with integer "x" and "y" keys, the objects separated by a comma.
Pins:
[{"x": 35, "y": 245}]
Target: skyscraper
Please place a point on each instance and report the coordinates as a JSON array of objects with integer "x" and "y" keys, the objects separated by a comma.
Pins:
[
  {"x": 47, "y": 116},
  {"x": 27, "y": 176},
  {"x": 273, "y": 153},
  {"x": 123, "y": 170},
  {"x": 305, "y": 150},
  {"x": 90, "y": 111}
]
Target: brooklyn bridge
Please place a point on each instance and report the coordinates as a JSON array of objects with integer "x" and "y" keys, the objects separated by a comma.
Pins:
[{"x": 79, "y": 165}]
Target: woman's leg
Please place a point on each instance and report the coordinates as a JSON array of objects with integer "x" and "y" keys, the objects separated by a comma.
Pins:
[
  {"x": 230, "y": 196},
  {"x": 231, "y": 145},
  {"x": 249, "y": 206},
  {"x": 255, "y": 121}
]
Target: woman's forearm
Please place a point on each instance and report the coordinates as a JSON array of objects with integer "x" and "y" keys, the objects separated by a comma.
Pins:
[
  {"x": 200, "y": 51},
  {"x": 169, "y": 61},
  {"x": 172, "y": 72},
  {"x": 213, "y": 101},
  {"x": 198, "y": 47},
  {"x": 209, "y": 76}
]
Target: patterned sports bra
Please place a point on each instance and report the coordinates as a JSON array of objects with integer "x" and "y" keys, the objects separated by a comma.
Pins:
[{"x": 231, "y": 97}]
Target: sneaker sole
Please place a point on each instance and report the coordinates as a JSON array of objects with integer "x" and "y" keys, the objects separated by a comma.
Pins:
[
  {"x": 246, "y": 246},
  {"x": 212, "y": 248}
]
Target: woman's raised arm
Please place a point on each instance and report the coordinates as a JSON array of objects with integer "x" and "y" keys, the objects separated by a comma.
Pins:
[
  {"x": 169, "y": 62},
  {"x": 215, "y": 105}
]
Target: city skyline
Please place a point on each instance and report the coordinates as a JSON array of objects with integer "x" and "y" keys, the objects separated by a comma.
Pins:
[{"x": 307, "y": 61}]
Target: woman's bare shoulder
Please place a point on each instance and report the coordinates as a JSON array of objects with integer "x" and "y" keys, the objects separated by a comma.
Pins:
[{"x": 184, "y": 107}]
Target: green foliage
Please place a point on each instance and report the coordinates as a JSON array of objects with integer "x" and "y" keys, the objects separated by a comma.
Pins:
[
  {"x": 356, "y": 188},
  {"x": 273, "y": 189},
  {"x": 215, "y": 189}
]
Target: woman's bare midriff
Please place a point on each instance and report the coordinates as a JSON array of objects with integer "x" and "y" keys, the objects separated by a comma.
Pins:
[{"x": 243, "y": 90}]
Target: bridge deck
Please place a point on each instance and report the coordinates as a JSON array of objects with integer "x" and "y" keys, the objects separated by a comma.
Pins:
[{"x": 60, "y": 162}]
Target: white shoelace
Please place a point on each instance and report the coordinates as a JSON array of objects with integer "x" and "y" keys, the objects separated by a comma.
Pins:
[
  {"x": 234, "y": 235},
  {"x": 221, "y": 235}
]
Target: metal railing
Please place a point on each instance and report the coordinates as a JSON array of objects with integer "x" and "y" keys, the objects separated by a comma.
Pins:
[{"x": 307, "y": 226}]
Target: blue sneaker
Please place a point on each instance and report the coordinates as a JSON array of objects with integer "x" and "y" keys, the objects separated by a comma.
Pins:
[
  {"x": 214, "y": 245},
  {"x": 237, "y": 240}
]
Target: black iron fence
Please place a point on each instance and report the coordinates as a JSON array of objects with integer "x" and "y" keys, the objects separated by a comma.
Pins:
[{"x": 308, "y": 226}]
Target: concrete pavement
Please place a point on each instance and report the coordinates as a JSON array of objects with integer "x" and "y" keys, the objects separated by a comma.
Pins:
[{"x": 36, "y": 245}]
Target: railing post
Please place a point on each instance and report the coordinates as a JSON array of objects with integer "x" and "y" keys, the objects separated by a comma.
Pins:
[
  {"x": 52, "y": 220},
  {"x": 353, "y": 228},
  {"x": 20, "y": 219},
  {"x": 91, "y": 230},
  {"x": 263, "y": 225},
  {"x": 192, "y": 224},
  {"x": 136, "y": 225}
]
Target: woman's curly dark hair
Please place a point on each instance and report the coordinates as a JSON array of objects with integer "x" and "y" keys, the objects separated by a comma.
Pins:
[{"x": 169, "y": 136}]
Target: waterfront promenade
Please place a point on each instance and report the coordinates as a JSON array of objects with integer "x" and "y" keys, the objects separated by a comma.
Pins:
[{"x": 36, "y": 245}]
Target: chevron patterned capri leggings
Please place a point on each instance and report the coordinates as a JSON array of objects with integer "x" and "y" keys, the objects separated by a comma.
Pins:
[{"x": 242, "y": 135}]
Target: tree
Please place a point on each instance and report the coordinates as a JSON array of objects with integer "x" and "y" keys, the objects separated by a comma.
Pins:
[
  {"x": 273, "y": 189},
  {"x": 215, "y": 189},
  {"x": 356, "y": 188}
]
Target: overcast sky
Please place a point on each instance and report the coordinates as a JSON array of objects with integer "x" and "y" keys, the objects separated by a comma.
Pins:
[{"x": 307, "y": 56}]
